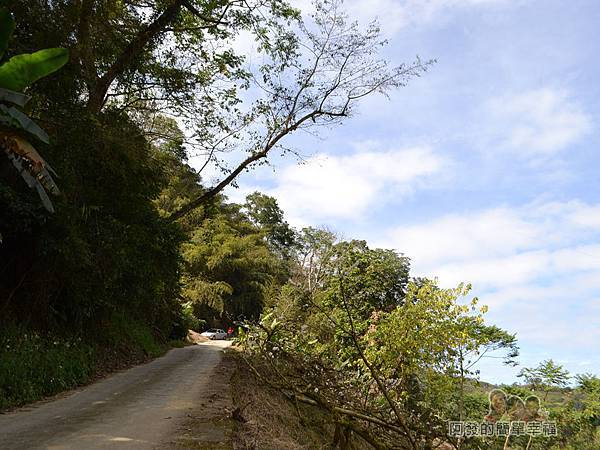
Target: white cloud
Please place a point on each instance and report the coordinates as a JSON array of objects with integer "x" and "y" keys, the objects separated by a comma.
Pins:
[
  {"x": 494, "y": 232},
  {"x": 493, "y": 272},
  {"x": 537, "y": 266},
  {"x": 394, "y": 15},
  {"x": 539, "y": 122},
  {"x": 520, "y": 269},
  {"x": 343, "y": 187},
  {"x": 502, "y": 247},
  {"x": 539, "y": 297},
  {"x": 586, "y": 217}
]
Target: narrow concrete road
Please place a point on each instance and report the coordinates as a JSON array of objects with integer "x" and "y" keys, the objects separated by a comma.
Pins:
[{"x": 139, "y": 408}]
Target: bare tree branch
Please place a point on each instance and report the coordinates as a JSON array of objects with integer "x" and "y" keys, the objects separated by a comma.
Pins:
[{"x": 341, "y": 66}]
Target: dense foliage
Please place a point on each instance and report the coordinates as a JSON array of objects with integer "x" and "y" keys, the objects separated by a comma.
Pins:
[
  {"x": 383, "y": 354},
  {"x": 140, "y": 248},
  {"x": 392, "y": 360}
]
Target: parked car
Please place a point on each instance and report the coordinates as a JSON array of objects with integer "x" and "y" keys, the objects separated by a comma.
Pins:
[{"x": 214, "y": 334}]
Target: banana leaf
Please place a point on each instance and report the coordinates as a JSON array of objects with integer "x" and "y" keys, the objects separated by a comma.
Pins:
[
  {"x": 7, "y": 26},
  {"x": 21, "y": 120},
  {"x": 31, "y": 181},
  {"x": 13, "y": 97},
  {"x": 22, "y": 70},
  {"x": 31, "y": 166},
  {"x": 18, "y": 163},
  {"x": 44, "y": 198},
  {"x": 37, "y": 165}
]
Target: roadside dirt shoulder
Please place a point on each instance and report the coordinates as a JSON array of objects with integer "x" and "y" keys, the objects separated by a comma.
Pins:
[
  {"x": 263, "y": 418},
  {"x": 238, "y": 412},
  {"x": 209, "y": 425}
]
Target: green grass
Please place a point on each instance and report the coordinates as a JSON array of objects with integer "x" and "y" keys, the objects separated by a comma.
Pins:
[
  {"x": 33, "y": 366},
  {"x": 177, "y": 344},
  {"x": 130, "y": 336}
]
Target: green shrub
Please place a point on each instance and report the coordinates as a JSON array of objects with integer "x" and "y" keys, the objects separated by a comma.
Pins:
[
  {"x": 33, "y": 365},
  {"x": 141, "y": 336},
  {"x": 190, "y": 321},
  {"x": 131, "y": 336}
]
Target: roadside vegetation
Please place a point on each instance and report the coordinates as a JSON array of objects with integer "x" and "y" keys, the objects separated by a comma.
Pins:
[
  {"x": 112, "y": 245},
  {"x": 34, "y": 365}
]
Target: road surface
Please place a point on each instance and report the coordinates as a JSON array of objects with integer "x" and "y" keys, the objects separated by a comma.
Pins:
[{"x": 140, "y": 408}]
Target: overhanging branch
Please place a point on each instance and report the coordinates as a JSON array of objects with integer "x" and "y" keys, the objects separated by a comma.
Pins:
[{"x": 212, "y": 192}]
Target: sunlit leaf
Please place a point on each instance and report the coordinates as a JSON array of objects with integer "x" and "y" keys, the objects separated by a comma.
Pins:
[{"x": 22, "y": 70}]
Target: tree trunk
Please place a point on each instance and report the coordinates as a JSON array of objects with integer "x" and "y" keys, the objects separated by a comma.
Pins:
[{"x": 97, "y": 95}]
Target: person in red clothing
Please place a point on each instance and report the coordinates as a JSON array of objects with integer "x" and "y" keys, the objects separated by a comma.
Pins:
[{"x": 230, "y": 331}]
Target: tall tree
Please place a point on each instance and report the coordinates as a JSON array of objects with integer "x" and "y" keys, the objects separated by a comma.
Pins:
[
  {"x": 316, "y": 248},
  {"x": 314, "y": 76},
  {"x": 264, "y": 211},
  {"x": 546, "y": 376},
  {"x": 228, "y": 267},
  {"x": 177, "y": 57}
]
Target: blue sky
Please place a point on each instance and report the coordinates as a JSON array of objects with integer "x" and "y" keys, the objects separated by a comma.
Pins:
[{"x": 485, "y": 170}]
